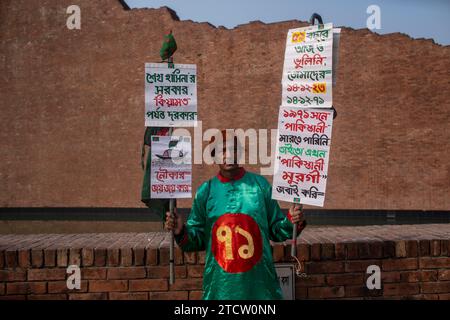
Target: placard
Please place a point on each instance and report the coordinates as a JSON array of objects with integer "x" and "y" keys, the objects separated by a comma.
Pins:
[
  {"x": 170, "y": 95},
  {"x": 301, "y": 156},
  {"x": 308, "y": 67},
  {"x": 171, "y": 167}
]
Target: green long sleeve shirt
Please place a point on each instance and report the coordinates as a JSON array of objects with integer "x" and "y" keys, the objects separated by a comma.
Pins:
[{"x": 234, "y": 221}]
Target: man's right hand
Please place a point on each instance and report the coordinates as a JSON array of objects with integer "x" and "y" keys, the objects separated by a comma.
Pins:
[{"x": 173, "y": 223}]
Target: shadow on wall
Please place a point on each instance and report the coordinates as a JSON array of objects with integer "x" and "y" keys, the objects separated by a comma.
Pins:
[{"x": 100, "y": 220}]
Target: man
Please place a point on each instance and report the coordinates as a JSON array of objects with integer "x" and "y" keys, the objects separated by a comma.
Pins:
[{"x": 233, "y": 218}]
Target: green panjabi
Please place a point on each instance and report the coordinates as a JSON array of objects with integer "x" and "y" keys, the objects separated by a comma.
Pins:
[{"x": 234, "y": 221}]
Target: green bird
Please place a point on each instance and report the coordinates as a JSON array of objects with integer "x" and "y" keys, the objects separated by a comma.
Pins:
[{"x": 169, "y": 47}]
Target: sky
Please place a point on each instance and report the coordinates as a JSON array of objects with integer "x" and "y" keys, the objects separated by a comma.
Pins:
[{"x": 428, "y": 19}]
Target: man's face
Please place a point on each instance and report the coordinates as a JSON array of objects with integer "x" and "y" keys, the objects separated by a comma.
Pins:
[{"x": 230, "y": 163}]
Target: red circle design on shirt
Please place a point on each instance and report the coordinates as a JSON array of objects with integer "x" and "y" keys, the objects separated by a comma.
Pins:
[{"x": 236, "y": 242}]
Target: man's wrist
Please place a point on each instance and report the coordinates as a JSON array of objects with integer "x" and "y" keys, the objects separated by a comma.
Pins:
[
  {"x": 177, "y": 231},
  {"x": 179, "y": 237}
]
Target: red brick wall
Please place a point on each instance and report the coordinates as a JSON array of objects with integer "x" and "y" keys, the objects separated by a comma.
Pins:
[
  {"x": 135, "y": 266},
  {"x": 72, "y": 105}
]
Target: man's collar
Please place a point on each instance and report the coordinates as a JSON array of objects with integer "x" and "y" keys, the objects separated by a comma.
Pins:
[{"x": 238, "y": 176}]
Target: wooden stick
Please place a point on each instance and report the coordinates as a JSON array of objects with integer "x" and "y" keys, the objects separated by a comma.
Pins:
[
  {"x": 171, "y": 209},
  {"x": 172, "y": 247},
  {"x": 172, "y": 238},
  {"x": 294, "y": 237}
]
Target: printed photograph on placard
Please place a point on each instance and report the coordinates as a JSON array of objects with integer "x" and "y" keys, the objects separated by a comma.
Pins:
[{"x": 171, "y": 167}]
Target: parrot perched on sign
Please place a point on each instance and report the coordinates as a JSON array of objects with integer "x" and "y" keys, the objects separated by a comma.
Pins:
[{"x": 169, "y": 46}]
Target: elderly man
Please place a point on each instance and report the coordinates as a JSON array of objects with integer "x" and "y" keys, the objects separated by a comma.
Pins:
[{"x": 233, "y": 218}]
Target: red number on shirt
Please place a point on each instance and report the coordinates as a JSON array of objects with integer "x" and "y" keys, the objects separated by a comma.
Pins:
[{"x": 236, "y": 242}]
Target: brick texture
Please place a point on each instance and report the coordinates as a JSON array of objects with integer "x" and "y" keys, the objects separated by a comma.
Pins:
[
  {"x": 236, "y": 68},
  {"x": 330, "y": 267}
]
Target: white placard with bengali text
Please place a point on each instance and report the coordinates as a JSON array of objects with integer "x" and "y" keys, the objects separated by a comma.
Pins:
[
  {"x": 302, "y": 155},
  {"x": 308, "y": 67},
  {"x": 170, "y": 95}
]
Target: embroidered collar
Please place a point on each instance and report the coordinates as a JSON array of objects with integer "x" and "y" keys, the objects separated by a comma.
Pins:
[{"x": 239, "y": 175}]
